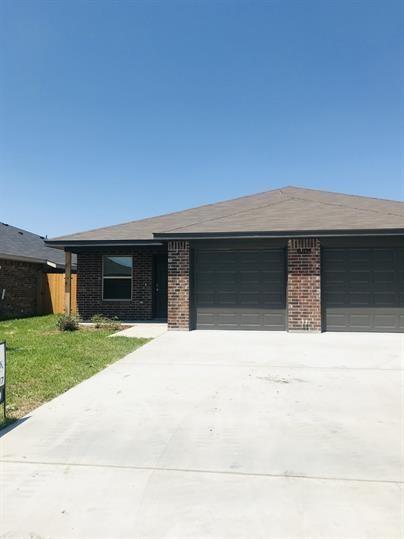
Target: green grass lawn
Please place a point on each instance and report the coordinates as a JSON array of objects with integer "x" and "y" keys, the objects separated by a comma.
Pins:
[{"x": 43, "y": 362}]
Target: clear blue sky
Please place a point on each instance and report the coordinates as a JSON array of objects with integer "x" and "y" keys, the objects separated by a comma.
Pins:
[{"x": 113, "y": 111}]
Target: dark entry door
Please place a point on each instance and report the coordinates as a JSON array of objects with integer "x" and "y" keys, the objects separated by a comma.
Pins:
[
  {"x": 240, "y": 289},
  {"x": 160, "y": 286},
  {"x": 363, "y": 289}
]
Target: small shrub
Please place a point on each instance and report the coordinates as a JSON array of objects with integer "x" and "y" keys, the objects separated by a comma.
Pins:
[
  {"x": 68, "y": 323},
  {"x": 115, "y": 324},
  {"x": 102, "y": 321},
  {"x": 99, "y": 320}
]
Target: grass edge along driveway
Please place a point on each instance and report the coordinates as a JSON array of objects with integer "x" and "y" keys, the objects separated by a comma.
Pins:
[{"x": 43, "y": 362}]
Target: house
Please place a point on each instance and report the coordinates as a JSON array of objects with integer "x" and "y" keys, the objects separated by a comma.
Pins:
[
  {"x": 24, "y": 258},
  {"x": 288, "y": 259}
]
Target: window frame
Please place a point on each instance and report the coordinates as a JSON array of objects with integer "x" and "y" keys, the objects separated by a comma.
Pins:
[{"x": 120, "y": 277}]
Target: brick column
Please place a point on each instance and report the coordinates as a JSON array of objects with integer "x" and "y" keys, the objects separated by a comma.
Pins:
[
  {"x": 304, "y": 285},
  {"x": 178, "y": 285}
]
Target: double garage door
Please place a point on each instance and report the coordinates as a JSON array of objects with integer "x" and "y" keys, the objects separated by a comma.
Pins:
[
  {"x": 362, "y": 289},
  {"x": 240, "y": 289}
]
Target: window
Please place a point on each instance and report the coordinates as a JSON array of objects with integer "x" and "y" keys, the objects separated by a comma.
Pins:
[{"x": 117, "y": 278}]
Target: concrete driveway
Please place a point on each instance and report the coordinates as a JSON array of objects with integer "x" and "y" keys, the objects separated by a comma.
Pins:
[{"x": 217, "y": 435}]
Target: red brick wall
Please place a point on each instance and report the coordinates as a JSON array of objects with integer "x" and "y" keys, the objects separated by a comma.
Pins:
[
  {"x": 178, "y": 285},
  {"x": 20, "y": 282},
  {"x": 304, "y": 284},
  {"x": 89, "y": 285}
]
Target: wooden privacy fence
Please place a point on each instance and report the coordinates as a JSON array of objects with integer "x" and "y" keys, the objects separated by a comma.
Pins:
[{"x": 52, "y": 293}]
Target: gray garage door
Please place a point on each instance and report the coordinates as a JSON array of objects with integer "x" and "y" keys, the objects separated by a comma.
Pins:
[
  {"x": 240, "y": 289},
  {"x": 363, "y": 289}
]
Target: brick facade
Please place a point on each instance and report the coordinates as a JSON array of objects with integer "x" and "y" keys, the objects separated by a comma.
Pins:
[
  {"x": 19, "y": 288},
  {"x": 89, "y": 285},
  {"x": 304, "y": 285},
  {"x": 303, "y": 288},
  {"x": 179, "y": 285}
]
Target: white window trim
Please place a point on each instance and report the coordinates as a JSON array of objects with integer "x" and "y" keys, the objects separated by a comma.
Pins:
[{"x": 117, "y": 277}]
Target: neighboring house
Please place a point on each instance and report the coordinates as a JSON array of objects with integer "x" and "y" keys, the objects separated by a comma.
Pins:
[
  {"x": 287, "y": 259},
  {"x": 24, "y": 258}
]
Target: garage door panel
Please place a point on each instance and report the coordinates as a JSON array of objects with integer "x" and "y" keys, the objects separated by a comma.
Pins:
[
  {"x": 273, "y": 284},
  {"x": 357, "y": 255},
  {"x": 273, "y": 287},
  {"x": 242, "y": 320},
  {"x": 334, "y": 256},
  {"x": 363, "y": 289},
  {"x": 334, "y": 299},
  {"x": 360, "y": 321},
  {"x": 353, "y": 277},
  {"x": 274, "y": 300},
  {"x": 251, "y": 260},
  {"x": 385, "y": 279},
  {"x": 337, "y": 320},
  {"x": 274, "y": 320},
  {"x": 249, "y": 298},
  {"x": 359, "y": 264},
  {"x": 226, "y": 281},
  {"x": 359, "y": 299},
  {"x": 386, "y": 320},
  {"x": 355, "y": 319},
  {"x": 385, "y": 299},
  {"x": 226, "y": 298},
  {"x": 248, "y": 278},
  {"x": 240, "y": 290},
  {"x": 270, "y": 272},
  {"x": 205, "y": 298},
  {"x": 249, "y": 288},
  {"x": 352, "y": 287},
  {"x": 218, "y": 321},
  {"x": 253, "y": 319},
  {"x": 336, "y": 276},
  {"x": 384, "y": 264}
]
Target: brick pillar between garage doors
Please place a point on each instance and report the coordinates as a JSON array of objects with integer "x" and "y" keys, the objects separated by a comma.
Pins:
[
  {"x": 178, "y": 285},
  {"x": 304, "y": 285}
]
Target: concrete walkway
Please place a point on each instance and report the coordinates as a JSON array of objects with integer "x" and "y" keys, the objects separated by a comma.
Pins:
[
  {"x": 143, "y": 330},
  {"x": 217, "y": 435}
]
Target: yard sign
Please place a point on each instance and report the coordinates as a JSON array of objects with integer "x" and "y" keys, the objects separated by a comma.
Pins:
[{"x": 3, "y": 375}]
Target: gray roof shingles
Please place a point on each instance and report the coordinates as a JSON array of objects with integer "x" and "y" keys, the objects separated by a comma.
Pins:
[
  {"x": 21, "y": 244},
  {"x": 289, "y": 209}
]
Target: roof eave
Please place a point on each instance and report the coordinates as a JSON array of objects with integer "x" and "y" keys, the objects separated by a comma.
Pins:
[
  {"x": 19, "y": 258},
  {"x": 280, "y": 234},
  {"x": 71, "y": 244},
  {"x": 160, "y": 237},
  {"x": 32, "y": 260}
]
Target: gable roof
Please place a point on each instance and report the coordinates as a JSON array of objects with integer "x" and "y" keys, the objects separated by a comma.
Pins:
[
  {"x": 19, "y": 244},
  {"x": 280, "y": 211}
]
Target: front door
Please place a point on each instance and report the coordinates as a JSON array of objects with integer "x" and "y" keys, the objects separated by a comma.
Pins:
[{"x": 160, "y": 286}]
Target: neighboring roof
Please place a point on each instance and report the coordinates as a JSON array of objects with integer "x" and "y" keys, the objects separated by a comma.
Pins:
[
  {"x": 280, "y": 211},
  {"x": 19, "y": 244}
]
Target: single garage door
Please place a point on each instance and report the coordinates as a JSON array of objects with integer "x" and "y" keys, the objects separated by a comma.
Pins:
[
  {"x": 240, "y": 289},
  {"x": 363, "y": 289}
]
